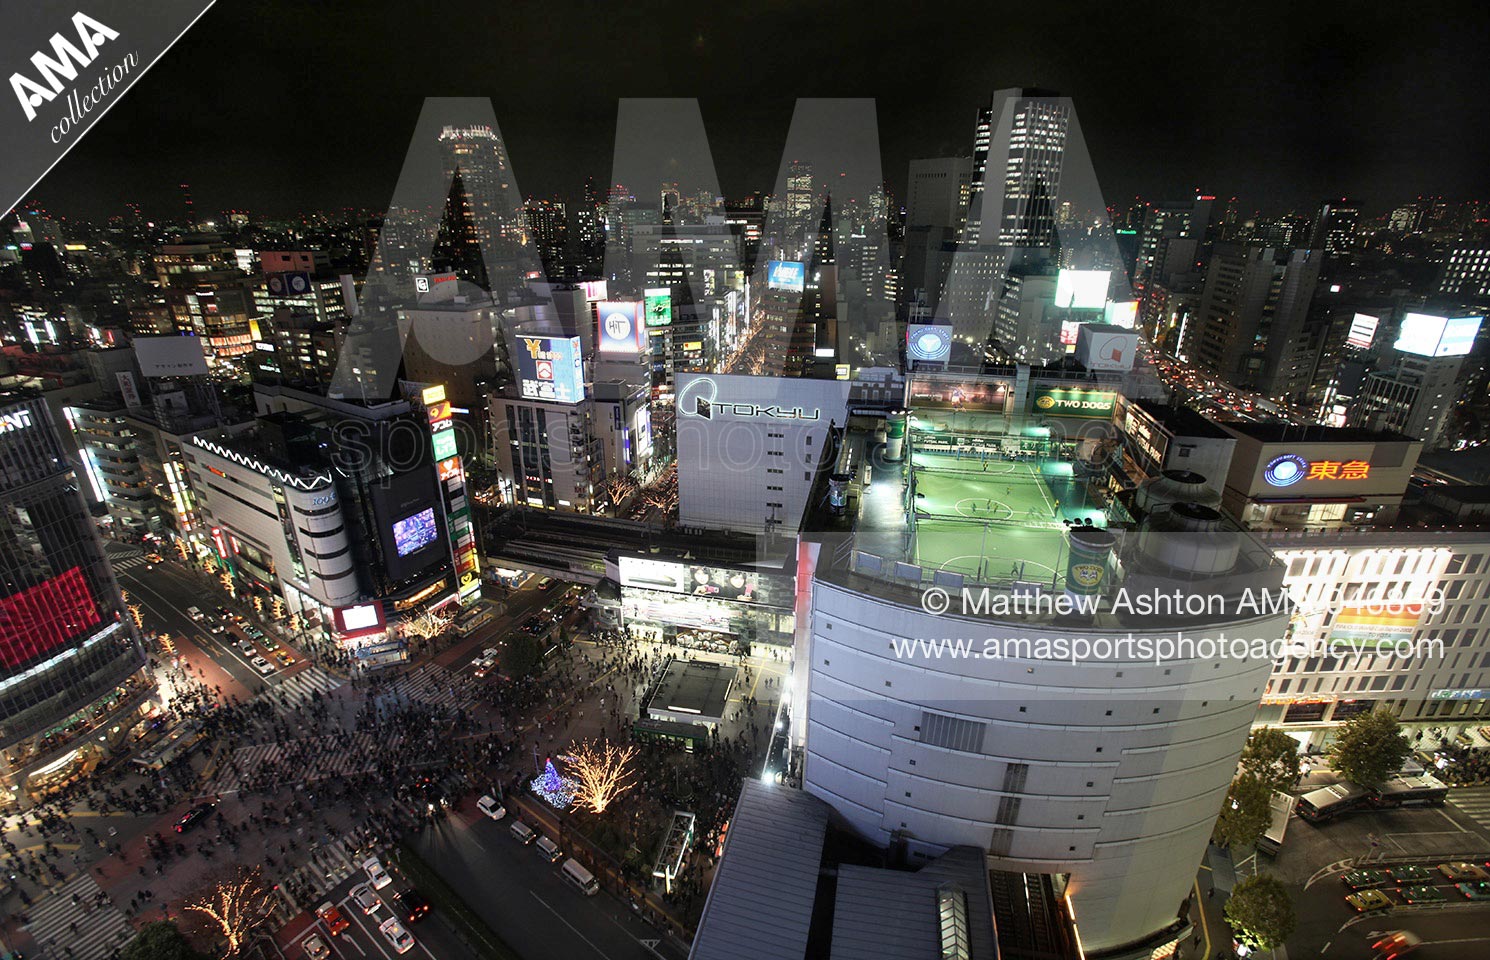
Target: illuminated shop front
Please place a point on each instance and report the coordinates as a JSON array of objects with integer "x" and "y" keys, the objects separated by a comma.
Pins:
[{"x": 703, "y": 605}]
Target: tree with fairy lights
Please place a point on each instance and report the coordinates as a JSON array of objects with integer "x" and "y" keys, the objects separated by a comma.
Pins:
[
  {"x": 552, "y": 786},
  {"x": 600, "y": 772},
  {"x": 234, "y": 909}
]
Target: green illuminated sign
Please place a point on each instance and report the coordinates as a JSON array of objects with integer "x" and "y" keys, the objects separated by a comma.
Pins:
[
  {"x": 444, "y": 444},
  {"x": 1072, "y": 402},
  {"x": 658, "y": 308}
]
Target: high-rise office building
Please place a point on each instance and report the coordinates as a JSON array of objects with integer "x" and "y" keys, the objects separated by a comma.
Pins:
[
  {"x": 1252, "y": 312},
  {"x": 799, "y": 194},
  {"x": 1466, "y": 274},
  {"x": 71, "y": 667},
  {"x": 937, "y": 192},
  {"x": 1334, "y": 229},
  {"x": 1019, "y": 146}
]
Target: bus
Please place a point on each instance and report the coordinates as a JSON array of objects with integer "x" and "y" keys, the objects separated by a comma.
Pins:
[
  {"x": 1330, "y": 802},
  {"x": 1272, "y": 840},
  {"x": 178, "y": 743},
  {"x": 1420, "y": 791},
  {"x": 684, "y": 735}
]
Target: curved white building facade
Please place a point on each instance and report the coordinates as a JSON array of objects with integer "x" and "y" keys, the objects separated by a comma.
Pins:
[{"x": 1110, "y": 770}]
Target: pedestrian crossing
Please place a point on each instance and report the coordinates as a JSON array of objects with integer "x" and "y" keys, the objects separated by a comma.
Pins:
[
  {"x": 1473, "y": 802},
  {"x": 128, "y": 563},
  {"x": 297, "y": 761},
  {"x": 79, "y": 929},
  {"x": 329, "y": 865},
  {"x": 302, "y": 687},
  {"x": 432, "y": 685}
]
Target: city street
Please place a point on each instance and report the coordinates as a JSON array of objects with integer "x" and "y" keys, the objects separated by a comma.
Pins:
[{"x": 525, "y": 899}]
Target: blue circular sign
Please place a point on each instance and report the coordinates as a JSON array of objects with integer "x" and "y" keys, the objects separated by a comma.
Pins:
[{"x": 1285, "y": 471}]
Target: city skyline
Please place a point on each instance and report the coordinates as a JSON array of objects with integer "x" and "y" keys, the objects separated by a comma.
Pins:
[{"x": 1315, "y": 110}]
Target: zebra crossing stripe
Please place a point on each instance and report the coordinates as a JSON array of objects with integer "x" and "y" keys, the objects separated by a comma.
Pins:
[{"x": 90, "y": 933}]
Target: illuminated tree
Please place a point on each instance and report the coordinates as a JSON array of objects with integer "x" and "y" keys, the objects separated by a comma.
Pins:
[
  {"x": 235, "y": 908},
  {"x": 258, "y": 603},
  {"x": 278, "y": 609},
  {"x": 296, "y": 624},
  {"x": 225, "y": 581},
  {"x": 600, "y": 772},
  {"x": 181, "y": 548},
  {"x": 425, "y": 624}
]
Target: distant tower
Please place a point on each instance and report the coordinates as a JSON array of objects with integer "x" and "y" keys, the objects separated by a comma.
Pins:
[{"x": 191, "y": 212}]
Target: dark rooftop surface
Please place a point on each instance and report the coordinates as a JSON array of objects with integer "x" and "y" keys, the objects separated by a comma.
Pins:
[{"x": 1277, "y": 432}]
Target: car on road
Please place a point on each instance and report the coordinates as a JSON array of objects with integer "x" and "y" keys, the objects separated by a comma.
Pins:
[
  {"x": 193, "y": 816},
  {"x": 489, "y": 806},
  {"x": 332, "y": 918},
  {"x": 363, "y": 896},
  {"x": 1422, "y": 894},
  {"x": 1480, "y": 890},
  {"x": 1463, "y": 870},
  {"x": 284, "y": 658},
  {"x": 1367, "y": 900},
  {"x": 264, "y": 666},
  {"x": 412, "y": 905},
  {"x": 247, "y": 647},
  {"x": 1395, "y": 943},
  {"x": 400, "y": 939},
  {"x": 216, "y": 627},
  {"x": 1411, "y": 874},
  {"x": 315, "y": 948},
  {"x": 1365, "y": 879},
  {"x": 486, "y": 664},
  {"x": 195, "y": 613},
  {"x": 376, "y": 873}
]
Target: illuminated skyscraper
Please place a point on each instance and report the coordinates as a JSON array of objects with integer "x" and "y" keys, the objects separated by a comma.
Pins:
[
  {"x": 72, "y": 677},
  {"x": 1019, "y": 146}
]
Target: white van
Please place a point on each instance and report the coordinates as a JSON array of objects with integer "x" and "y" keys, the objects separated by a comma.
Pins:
[
  {"x": 195, "y": 614},
  {"x": 580, "y": 877},
  {"x": 549, "y": 850},
  {"x": 521, "y": 832}
]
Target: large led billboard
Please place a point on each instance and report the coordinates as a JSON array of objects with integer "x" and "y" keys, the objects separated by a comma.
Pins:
[
  {"x": 1362, "y": 331},
  {"x": 363, "y": 619},
  {"x": 658, "y": 306},
  {"x": 787, "y": 275},
  {"x": 924, "y": 341},
  {"x": 551, "y": 368},
  {"x": 594, "y": 289},
  {"x": 694, "y": 579},
  {"x": 414, "y": 532},
  {"x": 1428, "y": 336},
  {"x": 620, "y": 327},
  {"x": 1122, "y": 313},
  {"x": 1458, "y": 336},
  {"x": 1082, "y": 289},
  {"x": 38, "y": 619}
]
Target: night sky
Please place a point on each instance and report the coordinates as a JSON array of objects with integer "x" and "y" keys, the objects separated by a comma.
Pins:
[{"x": 278, "y": 107}]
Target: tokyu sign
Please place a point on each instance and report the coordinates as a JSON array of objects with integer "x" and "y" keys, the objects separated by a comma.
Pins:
[
  {"x": 1290, "y": 468},
  {"x": 1072, "y": 402}
]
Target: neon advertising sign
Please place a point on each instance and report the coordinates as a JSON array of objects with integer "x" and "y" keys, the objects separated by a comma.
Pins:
[{"x": 1290, "y": 468}]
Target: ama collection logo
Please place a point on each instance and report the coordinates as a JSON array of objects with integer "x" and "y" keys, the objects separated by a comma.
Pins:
[{"x": 62, "y": 65}]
